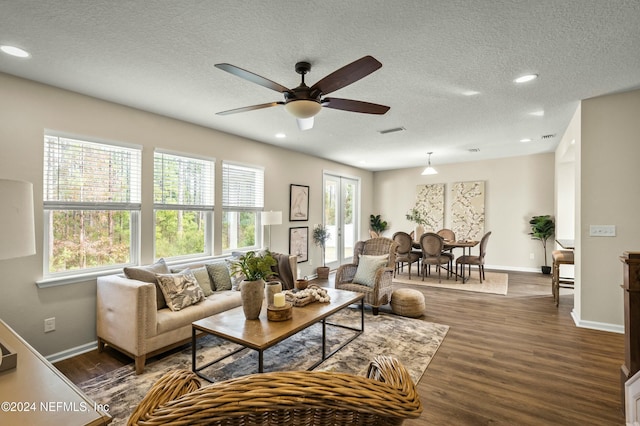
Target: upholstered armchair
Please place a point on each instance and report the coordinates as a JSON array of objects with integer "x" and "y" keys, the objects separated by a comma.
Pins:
[
  {"x": 387, "y": 396},
  {"x": 378, "y": 291}
]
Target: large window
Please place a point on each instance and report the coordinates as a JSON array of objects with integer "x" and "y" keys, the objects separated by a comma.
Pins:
[
  {"x": 183, "y": 205},
  {"x": 91, "y": 206},
  {"x": 242, "y": 201}
]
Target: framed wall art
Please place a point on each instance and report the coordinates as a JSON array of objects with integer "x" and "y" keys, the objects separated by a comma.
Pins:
[
  {"x": 299, "y": 243},
  {"x": 299, "y": 203},
  {"x": 467, "y": 210}
]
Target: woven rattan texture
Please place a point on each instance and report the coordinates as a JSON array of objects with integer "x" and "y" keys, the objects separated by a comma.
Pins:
[{"x": 386, "y": 397}]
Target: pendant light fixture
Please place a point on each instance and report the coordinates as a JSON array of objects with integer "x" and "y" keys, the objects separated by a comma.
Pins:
[{"x": 429, "y": 170}]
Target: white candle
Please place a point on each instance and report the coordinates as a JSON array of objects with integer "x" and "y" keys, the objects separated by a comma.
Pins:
[{"x": 278, "y": 300}]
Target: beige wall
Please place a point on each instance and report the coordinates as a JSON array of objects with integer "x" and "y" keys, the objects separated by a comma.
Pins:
[
  {"x": 515, "y": 189},
  {"x": 608, "y": 195},
  {"x": 27, "y": 108}
]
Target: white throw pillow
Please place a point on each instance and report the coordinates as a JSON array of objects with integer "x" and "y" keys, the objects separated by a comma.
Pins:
[{"x": 367, "y": 267}]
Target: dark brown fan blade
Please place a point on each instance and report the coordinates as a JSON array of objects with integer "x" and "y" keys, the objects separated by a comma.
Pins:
[
  {"x": 254, "y": 78},
  {"x": 354, "y": 106},
  {"x": 249, "y": 108},
  {"x": 347, "y": 75}
]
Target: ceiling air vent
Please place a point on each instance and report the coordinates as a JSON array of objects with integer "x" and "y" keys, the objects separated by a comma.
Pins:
[
  {"x": 474, "y": 150},
  {"x": 395, "y": 129},
  {"x": 546, "y": 137}
]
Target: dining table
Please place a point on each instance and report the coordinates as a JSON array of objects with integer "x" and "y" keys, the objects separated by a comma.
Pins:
[{"x": 449, "y": 245}]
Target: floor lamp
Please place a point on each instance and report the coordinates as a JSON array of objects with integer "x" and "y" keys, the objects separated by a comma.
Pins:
[
  {"x": 271, "y": 218},
  {"x": 17, "y": 230}
]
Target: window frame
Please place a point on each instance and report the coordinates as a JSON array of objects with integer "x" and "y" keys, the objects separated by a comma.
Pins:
[
  {"x": 240, "y": 206},
  {"x": 207, "y": 209},
  {"x": 51, "y": 206}
]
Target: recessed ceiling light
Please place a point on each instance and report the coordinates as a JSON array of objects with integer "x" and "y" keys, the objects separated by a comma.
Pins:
[
  {"x": 525, "y": 140},
  {"x": 538, "y": 113},
  {"x": 15, "y": 51},
  {"x": 470, "y": 93},
  {"x": 280, "y": 135},
  {"x": 525, "y": 78}
]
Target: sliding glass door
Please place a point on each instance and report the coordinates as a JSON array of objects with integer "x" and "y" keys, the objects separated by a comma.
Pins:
[{"x": 341, "y": 202}]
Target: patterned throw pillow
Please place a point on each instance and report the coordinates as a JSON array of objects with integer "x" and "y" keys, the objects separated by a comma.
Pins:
[
  {"x": 180, "y": 290},
  {"x": 147, "y": 274},
  {"x": 219, "y": 274},
  {"x": 367, "y": 267}
]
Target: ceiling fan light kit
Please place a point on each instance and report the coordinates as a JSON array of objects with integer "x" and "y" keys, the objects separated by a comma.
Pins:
[
  {"x": 304, "y": 102},
  {"x": 303, "y": 108}
]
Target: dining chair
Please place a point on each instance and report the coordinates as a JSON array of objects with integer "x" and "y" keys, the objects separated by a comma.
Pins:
[
  {"x": 432, "y": 245},
  {"x": 448, "y": 235},
  {"x": 560, "y": 257},
  {"x": 404, "y": 252},
  {"x": 474, "y": 260}
]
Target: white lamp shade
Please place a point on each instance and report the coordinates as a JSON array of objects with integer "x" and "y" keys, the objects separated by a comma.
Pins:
[
  {"x": 429, "y": 171},
  {"x": 271, "y": 218},
  {"x": 17, "y": 230}
]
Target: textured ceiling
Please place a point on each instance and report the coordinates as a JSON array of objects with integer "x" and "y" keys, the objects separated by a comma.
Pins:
[{"x": 159, "y": 56}]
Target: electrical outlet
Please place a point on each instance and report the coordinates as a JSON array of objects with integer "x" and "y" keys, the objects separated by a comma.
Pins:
[
  {"x": 49, "y": 324},
  {"x": 532, "y": 256},
  {"x": 602, "y": 230}
]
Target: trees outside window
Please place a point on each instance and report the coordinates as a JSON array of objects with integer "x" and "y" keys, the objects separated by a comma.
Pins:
[
  {"x": 183, "y": 205},
  {"x": 91, "y": 200},
  {"x": 242, "y": 201}
]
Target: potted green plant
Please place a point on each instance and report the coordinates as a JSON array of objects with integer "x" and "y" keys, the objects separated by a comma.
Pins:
[
  {"x": 377, "y": 225},
  {"x": 255, "y": 268},
  {"x": 416, "y": 217},
  {"x": 320, "y": 237},
  {"x": 542, "y": 228}
]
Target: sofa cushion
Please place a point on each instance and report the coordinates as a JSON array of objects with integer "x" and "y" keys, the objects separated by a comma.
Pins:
[
  {"x": 147, "y": 274},
  {"x": 367, "y": 267},
  {"x": 219, "y": 301},
  {"x": 219, "y": 274},
  {"x": 180, "y": 290}
]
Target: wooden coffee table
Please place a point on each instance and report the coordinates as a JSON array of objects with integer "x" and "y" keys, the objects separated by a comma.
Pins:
[{"x": 261, "y": 334}]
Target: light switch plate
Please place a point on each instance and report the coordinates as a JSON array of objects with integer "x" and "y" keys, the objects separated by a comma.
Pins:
[{"x": 602, "y": 230}]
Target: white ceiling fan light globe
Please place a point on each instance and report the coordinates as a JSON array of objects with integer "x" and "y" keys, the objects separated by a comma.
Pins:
[{"x": 303, "y": 108}]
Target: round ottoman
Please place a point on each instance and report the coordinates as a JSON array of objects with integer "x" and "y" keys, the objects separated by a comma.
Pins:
[{"x": 407, "y": 302}]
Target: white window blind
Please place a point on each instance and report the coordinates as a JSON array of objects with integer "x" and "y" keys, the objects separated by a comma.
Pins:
[
  {"x": 242, "y": 187},
  {"x": 89, "y": 175},
  {"x": 184, "y": 183}
]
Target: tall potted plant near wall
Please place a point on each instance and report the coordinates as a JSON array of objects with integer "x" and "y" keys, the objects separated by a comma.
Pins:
[
  {"x": 320, "y": 237},
  {"x": 542, "y": 228},
  {"x": 377, "y": 225}
]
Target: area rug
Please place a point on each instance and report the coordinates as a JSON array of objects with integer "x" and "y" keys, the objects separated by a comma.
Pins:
[
  {"x": 413, "y": 341},
  {"x": 494, "y": 283}
]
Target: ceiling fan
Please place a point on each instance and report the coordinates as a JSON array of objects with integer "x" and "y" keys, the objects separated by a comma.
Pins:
[{"x": 304, "y": 102}]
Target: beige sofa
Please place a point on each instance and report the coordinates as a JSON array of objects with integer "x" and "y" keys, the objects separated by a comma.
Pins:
[{"x": 128, "y": 318}]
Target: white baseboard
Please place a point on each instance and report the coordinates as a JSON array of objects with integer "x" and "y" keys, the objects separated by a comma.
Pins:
[
  {"x": 512, "y": 268},
  {"x": 71, "y": 352},
  {"x": 602, "y": 326}
]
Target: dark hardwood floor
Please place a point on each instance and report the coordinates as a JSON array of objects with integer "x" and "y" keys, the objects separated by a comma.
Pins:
[{"x": 507, "y": 360}]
